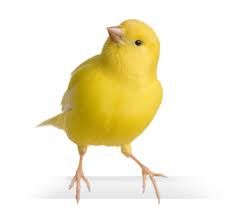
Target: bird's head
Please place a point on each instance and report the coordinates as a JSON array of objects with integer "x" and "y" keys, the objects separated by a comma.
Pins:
[{"x": 132, "y": 44}]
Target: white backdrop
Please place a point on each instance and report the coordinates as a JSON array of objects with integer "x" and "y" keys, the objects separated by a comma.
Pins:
[{"x": 41, "y": 42}]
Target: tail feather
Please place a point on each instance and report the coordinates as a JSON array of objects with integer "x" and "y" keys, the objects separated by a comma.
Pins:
[{"x": 56, "y": 121}]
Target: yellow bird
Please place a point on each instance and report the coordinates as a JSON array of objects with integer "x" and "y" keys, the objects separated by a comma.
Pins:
[{"x": 112, "y": 97}]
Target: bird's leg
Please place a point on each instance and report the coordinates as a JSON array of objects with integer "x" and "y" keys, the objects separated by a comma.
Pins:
[
  {"x": 126, "y": 150},
  {"x": 79, "y": 175}
]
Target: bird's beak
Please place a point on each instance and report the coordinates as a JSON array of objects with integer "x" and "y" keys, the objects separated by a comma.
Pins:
[{"x": 115, "y": 34}]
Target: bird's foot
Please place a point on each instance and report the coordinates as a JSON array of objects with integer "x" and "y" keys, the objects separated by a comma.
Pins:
[
  {"x": 77, "y": 179},
  {"x": 147, "y": 172}
]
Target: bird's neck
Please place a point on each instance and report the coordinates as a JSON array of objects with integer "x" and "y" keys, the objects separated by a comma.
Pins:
[{"x": 136, "y": 73}]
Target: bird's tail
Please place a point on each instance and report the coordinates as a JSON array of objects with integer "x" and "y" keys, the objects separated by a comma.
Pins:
[{"x": 56, "y": 121}]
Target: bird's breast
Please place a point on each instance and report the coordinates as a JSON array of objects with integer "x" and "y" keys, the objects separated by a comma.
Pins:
[{"x": 111, "y": 114}]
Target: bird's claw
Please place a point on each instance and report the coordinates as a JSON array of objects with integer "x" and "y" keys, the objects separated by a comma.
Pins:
[
  {"x": 77, "y": 179},
  {"x": 147, "y": 172}
]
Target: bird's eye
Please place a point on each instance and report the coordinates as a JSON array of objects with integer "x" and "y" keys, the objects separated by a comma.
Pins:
[{"x": 138, "y": 42}]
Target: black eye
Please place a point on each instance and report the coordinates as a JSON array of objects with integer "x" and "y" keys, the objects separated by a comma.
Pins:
[{"x": 138, "y": 42}]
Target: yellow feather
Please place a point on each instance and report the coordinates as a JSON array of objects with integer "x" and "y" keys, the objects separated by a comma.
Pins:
[
  {"x": 112, "y": 97},
  {"x": 57, "y": 121}
]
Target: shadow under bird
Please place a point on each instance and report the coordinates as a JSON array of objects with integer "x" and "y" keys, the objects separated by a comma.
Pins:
[{"x": 112, "y": 97}]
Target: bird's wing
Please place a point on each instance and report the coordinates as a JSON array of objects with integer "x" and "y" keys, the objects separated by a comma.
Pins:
[{"x": 66, "y": 102}]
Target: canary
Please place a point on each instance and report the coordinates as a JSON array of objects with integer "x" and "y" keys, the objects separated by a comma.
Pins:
[{"x": 112, "y": 97}]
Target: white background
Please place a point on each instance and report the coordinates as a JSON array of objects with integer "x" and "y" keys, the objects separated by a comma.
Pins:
[{"x": 41, "y": 42}]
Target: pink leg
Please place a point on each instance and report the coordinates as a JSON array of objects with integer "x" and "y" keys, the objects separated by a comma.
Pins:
[
  {"x": 78, "y": 176},
  {"x": 126, "y": 150}
]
